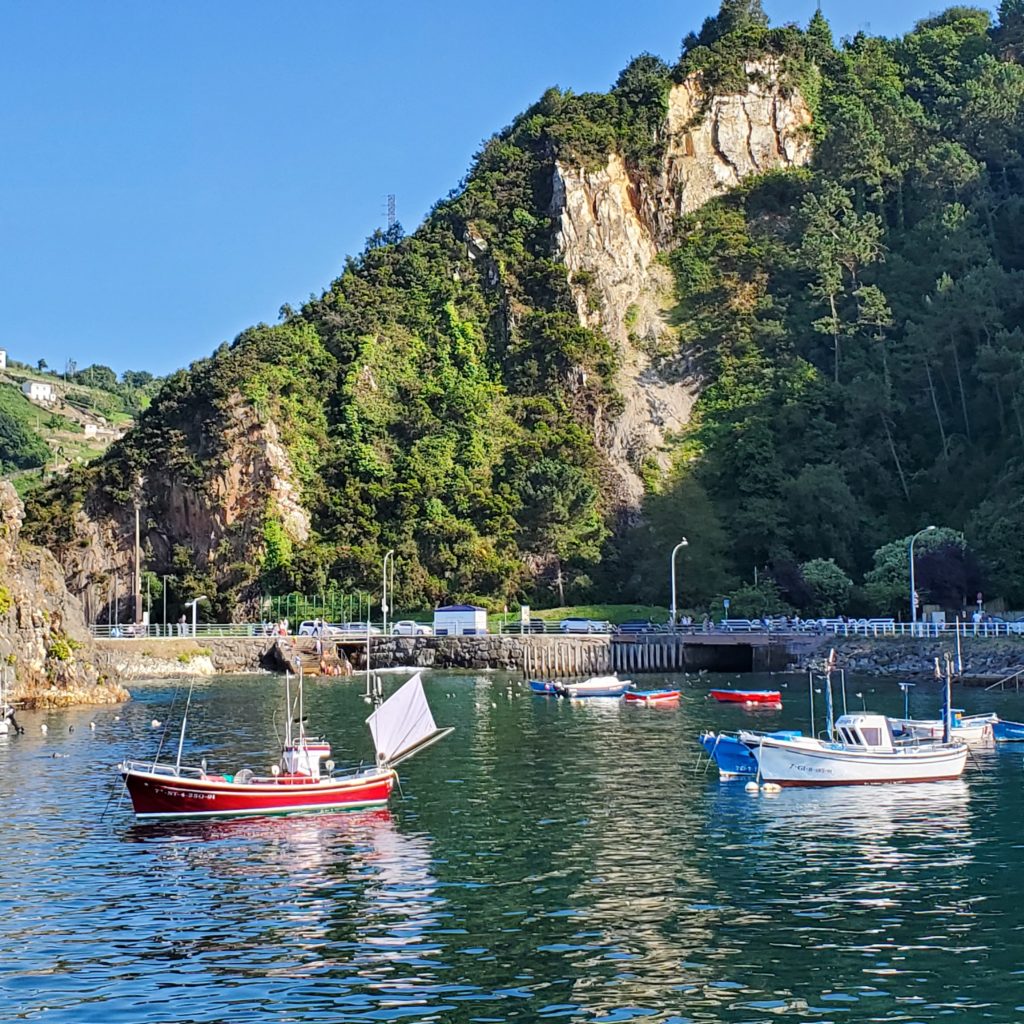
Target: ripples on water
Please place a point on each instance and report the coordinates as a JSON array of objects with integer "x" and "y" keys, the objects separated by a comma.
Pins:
[{"x": 550, "y": 861}]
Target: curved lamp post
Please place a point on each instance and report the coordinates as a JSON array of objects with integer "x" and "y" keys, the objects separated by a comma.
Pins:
[
  {"x": 913, "y": 588},
  {"x": 195, "y": 602},
  {"x": 384, "y": 599},
  {"x": 682, "y": 544}
]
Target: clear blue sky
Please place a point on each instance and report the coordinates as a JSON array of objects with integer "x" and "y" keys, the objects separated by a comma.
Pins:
[{"x": 174, "y": 172}]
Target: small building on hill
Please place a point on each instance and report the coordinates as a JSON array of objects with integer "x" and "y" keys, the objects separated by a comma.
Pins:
[
  {"x": 460, "y": 620},
  {"x": 39, "y": 391},
  {"x": 3, "y": 359}
]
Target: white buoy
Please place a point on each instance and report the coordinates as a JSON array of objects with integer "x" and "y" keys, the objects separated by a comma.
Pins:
[
  {"x": 155, "y": 724},
  {"x": 771, "y": 787},
  {"x": 751, "y": 787},
  {"x": 117, "y": 718},
  {"x": 92, "y": 725},
  {"x": 44, "y": 728}
]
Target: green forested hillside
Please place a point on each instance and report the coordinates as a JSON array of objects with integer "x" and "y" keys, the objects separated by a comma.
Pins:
[{"x": 855, "y": 329}]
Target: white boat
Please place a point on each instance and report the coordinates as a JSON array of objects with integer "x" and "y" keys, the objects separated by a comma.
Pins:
[
  {"x": 595, "y": 686},
  {"x": 974, "y": 729},
  {"x": 863, "y": 752}
]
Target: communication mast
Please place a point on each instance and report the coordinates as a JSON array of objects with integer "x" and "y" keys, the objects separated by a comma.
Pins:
[{"x": 391, "y": 211}]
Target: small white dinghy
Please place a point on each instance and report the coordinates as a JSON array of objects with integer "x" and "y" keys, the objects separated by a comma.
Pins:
[{"x": 595, "y": 686}]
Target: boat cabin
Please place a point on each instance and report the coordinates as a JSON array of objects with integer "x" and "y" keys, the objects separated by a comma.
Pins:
[
  {"x": 304, "y": 758},
  {"x": 872, "y": 732}
]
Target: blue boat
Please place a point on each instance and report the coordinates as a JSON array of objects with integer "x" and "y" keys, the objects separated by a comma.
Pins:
[
  {"x": 542, "y": 686},
  {"x": 735, "y": 759},
  {"x": 1007, "y": 732}
]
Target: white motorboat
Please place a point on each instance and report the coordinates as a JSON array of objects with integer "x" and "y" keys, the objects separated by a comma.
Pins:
[
  {"x": 595, "y": 686},
  {"x": 864, "y": 751},
  {"x": 975, "y": 729}
]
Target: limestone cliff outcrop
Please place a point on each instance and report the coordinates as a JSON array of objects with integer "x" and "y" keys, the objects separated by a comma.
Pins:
[
  {"x": 45, "y": 648},
  {"x": 218, "y": 517},
  {"x": 615, "y": 221}
]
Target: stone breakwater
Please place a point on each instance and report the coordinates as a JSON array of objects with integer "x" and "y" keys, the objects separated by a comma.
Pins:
[
  {"x": 171, "y": 659},
  {"x": 468, "y": 652},
  {"x": 985, "y": 659}
]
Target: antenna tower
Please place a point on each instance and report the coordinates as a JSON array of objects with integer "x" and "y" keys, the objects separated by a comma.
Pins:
[{"x": 391, "y": 210}]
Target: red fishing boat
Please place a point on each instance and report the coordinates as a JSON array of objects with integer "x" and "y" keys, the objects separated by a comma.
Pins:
[
  {"x": 304, "y": 780},
  {"x": 748, "y": 696}
]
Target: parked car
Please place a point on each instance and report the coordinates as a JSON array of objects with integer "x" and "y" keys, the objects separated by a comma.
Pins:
[
  {"x": 639, "y": 626},
  {"x": 585, "y": 626},
  {"x": 406, "y": 627},
  {"x": 326, "y": 628},
  {"x": 355, "y": 627}
]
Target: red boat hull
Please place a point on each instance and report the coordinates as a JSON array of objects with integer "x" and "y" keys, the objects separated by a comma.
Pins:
[
  {"x": 661, "y": 696},
  {"x": 747, "y": 696},
  {"x": 156, "y": 795}
]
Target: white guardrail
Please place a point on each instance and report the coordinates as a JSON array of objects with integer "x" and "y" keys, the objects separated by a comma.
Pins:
[{"x": 879, "y": 628}]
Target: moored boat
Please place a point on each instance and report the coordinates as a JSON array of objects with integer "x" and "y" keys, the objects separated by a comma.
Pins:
[
  {"x": 969, "y": 729},
  {"x": 1007, "y": 732},
  {"x": 543, "y": 686},
  {"x": 733, "y": 757},
  {"x": 747, "y": 696},
  {"x": 595, "y": 686},
  {"x": 652, "y": 696},
  {"x": 305, "y": 779},
  {"x": 864, "y": 752}
]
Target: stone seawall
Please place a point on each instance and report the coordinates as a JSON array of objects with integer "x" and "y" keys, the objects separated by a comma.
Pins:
[
  {"x": 171, "y": 659},
  {"x": 985, "y": 659}
]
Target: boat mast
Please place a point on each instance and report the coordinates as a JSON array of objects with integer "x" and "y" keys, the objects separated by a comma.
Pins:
[
  {"x": 810, "y": 694},
  {"x": 184, "y": 719},
  {"x": 288, "y": 707},
  {"x": 947, "y": 715}
]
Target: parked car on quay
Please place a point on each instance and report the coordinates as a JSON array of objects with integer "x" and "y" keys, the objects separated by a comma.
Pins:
[
  {"x": 639, "y": 626},
  {"x": 585, "y": 626},
  {"x": 308, "y": 628},
  {"x": 406, "y": 627},
  {"x": 356, "y": 627}
]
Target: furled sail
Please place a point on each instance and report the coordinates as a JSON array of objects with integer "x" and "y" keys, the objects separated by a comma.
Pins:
[{"x": 403, "y": 725}]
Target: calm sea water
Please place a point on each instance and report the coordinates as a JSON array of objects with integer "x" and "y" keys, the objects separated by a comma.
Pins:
[{"x": 549, "y": 861}]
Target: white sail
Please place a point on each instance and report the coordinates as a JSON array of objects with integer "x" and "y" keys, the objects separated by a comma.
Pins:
[{"x": 403, "y": 724}]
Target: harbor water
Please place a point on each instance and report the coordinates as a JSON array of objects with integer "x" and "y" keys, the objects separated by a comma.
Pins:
[{"x": 551, "y": 860}]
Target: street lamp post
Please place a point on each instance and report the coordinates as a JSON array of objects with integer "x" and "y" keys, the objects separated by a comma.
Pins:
[
  {"x": 384, "y": 600},
  {"x": 682, "y": 544},
  {"x": 913, "y": 588},
  {"x": 165, "y": 602},
  {"x": 195, "y": 604}
]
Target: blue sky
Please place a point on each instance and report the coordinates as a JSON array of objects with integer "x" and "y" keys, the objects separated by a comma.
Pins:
[{"x": 173, "y": 173}]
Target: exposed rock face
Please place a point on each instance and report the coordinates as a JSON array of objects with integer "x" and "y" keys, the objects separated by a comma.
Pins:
[
  {"x": 614, "y": 222},
  {"x": 220, "y": 517},
  {"x": 44, "y": 643}
]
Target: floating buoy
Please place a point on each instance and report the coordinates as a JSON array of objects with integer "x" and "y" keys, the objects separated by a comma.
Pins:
[
  {"x": 71, "y": 728},
  {"x": 751, "y": 787},
  {"x": 771, "y": 787},
  {"x": 117, "y": 718},
  {"x": 92, "y": 725},
  {"x": 44, "y": 728},
  {"x": 155, "y": 724}
]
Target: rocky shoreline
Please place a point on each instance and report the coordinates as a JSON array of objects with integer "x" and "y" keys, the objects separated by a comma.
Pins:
[{"x": 985, "y": 659}]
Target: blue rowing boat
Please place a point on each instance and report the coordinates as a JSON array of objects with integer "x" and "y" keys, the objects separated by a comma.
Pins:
[
  {"x": 1007, "y": 732},
  {"x": 543, "y": 687},
  {"x": 733, "y": 757}
]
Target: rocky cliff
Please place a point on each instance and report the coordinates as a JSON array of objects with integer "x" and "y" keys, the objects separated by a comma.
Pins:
[
  {"x": 614, "y": 223},
  {"x": 45, "y": 648}
]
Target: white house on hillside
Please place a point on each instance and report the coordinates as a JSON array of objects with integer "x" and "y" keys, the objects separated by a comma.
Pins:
[
  {"x": 3, "y": 359},
  {"x": 38, "y": 391}
]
